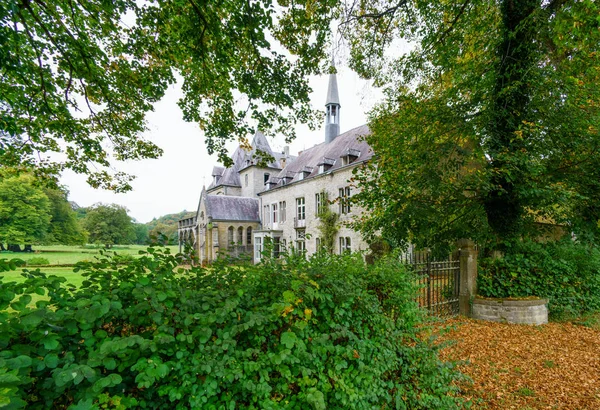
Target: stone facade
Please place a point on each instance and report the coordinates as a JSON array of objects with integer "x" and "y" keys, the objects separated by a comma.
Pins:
[
  {"x": 303, "y": 233},
  {"x": 531, "y": 312}
]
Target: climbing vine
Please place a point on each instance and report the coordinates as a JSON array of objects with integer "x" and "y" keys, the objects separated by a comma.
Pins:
[{"x": 328, "y": 226}]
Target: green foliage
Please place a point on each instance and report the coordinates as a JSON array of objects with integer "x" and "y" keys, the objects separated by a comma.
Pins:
[
  {"x": 166, "y": 225},
  {"x": 490, "y": 122},
  {"x": 565, "y": 272},
  {"x": 324, "y": 333},
  {"x": 141, "y": 234},
  {"x": 77, "y": 76},
  {"x": 328, "y": 224},
  {"x": 109, "y": 225},
  {"x": 64, "y": 228},
  {"x": 37, "y": 261},
  {"x": 25, "y": 211}
]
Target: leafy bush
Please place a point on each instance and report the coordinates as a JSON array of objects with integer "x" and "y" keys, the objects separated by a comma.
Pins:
[
  {"x": 38, "y": 261},
  {"x": 565, "y": 272},
  {"x": 303, "y": 334}
]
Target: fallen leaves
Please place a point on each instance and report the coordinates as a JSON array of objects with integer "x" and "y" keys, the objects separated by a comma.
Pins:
[{"x": 554, "y": 366}]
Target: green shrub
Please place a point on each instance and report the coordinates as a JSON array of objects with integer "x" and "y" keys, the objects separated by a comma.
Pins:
[
  {"x": 324, "y": 333},
  {"x": 565, "y": 272},
  {"x": 38, "y": 261}
]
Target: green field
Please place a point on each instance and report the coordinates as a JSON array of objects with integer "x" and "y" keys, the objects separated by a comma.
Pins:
[{"x": 69, "y": 255}]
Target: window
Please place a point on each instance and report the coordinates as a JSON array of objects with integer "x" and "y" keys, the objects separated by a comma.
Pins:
[
  {"x": 345, "y": 245},
  {"x": 344, "y": 199},
  {"x": 249, "y": 236},
  {"x": 318, "y": 243},
  {"x": 276, "y": 246},
  {"x": 283, "y": 245},
  {"x": 246, "y": 179},
  {"x": 282, "y": 215},
  {"x": 274, "y": 211},
  {"x": 300, "y": 240},
  {"x": 300, "y": 209},
  {"x": 230, "y": 236},
  {"x": 240, "y": 236},
  {"x": 258, "y": 248},
  {"x": 266, "y": 177},
  {"x": 320, "y": 202}
]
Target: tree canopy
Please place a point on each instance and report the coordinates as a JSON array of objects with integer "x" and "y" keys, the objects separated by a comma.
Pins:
[
  {"x": 25, "y": 210},
  {"x": 78, "y": 78},
  {"x": 65, "y": 227},
  {"x": 489, "y": 128},
  {"x": 109, "y": 225}
]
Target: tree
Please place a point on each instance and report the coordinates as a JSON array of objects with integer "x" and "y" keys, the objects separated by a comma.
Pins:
[
  {"x": 109, "y": 225},
  {"x": 25, "y": 211},
  {"x": 64, "y": 227},
  {"x": 79, "y": 77},
  {"x": 490, "y": 125},
  {"x": 141, "y": 234}
]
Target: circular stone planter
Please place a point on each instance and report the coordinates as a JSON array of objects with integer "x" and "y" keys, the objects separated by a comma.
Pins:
[{"x": 522, "y": 311}]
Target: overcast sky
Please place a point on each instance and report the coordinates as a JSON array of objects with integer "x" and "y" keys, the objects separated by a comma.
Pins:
[{"x": 173, "y": 182}]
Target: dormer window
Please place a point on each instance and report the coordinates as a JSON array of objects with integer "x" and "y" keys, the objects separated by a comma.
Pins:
[
  {"x": 306, "y": 171},
  {"x": 266, "y": 176},
  {"x": 287, "y": 178},
  {"x": 350, "y": 156},
  {"x": 216, "y": 179},
  {"x": 325, "y": 164}
]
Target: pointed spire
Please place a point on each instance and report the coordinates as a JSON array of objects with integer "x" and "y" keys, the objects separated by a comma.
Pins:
[{"x": 332, "y": 107}]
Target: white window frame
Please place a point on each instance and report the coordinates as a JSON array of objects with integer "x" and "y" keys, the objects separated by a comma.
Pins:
[
  {"x": 282, "y": 212},
  {"x": 274, "y": 212},
  {"x": 300, "y": 209}
]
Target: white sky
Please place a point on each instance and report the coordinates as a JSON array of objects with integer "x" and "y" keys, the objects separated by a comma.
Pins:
[{"x": 173, "y": 182}]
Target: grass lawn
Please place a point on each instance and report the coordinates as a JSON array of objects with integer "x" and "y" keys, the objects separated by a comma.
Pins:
[{"x": 69, "y": 255}]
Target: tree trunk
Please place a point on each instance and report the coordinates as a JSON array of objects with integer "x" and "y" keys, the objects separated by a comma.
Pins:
[
  {"x": 504, "y": 204},
  {"x": 2, "y": 248},
  {"x": 14, "y": 248},
  {"x": 28, "y": 248}
]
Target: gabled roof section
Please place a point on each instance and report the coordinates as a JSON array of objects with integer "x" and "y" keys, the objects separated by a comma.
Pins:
[
  {"x": 232, "y": 208},
  {"x": 308, "y": 161}
]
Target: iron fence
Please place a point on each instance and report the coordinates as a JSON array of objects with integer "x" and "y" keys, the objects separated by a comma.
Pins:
[{"x": 439, "y": 282}]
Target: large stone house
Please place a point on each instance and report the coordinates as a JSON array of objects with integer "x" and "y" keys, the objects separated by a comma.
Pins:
[{"x": 249, "y": 203}]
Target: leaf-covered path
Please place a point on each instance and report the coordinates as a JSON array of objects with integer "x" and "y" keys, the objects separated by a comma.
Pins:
[{"x": 554, "y": 366}]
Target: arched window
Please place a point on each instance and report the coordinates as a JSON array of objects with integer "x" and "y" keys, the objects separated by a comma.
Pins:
[
  {"x": 240, "y": 236},
  {"x": 230, "y": 236},
  {"x": 249, "y": 236}
]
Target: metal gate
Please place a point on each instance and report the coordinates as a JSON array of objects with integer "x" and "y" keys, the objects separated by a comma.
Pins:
[{"x": 439, "y": 282}]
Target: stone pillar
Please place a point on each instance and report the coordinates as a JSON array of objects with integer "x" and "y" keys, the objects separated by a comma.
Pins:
[{"x": 468, "y": 275}]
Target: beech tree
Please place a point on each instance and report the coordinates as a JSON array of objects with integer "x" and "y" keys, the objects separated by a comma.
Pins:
[
  {"x": 78, "y": 78},
  {"x": 489, "y": 128},
  {"x": 25, "y": 210},
  {"x": 109, "y": 225}
]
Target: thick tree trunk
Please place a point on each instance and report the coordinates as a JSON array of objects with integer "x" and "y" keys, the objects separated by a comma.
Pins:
[
  {"x": 504, "y": 204},
  {"x": 14, "y": 248}
]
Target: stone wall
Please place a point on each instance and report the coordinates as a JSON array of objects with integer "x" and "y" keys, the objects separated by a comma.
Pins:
[{"x": 531, "y": 312}]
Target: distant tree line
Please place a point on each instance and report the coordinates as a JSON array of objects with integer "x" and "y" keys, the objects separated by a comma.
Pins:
[{"x": 36, "y": 213}]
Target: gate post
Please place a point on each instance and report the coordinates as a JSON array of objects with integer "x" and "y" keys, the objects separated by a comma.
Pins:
[{"x": 468, "y": 275}]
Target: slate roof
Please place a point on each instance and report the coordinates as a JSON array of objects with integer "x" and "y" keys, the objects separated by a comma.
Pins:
[
  {"x": 349, "y": 142},
  {"x": 243, "y": 159},
  {"x": 232, "y": 208},
  {"x": 332, "y": 92}
]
